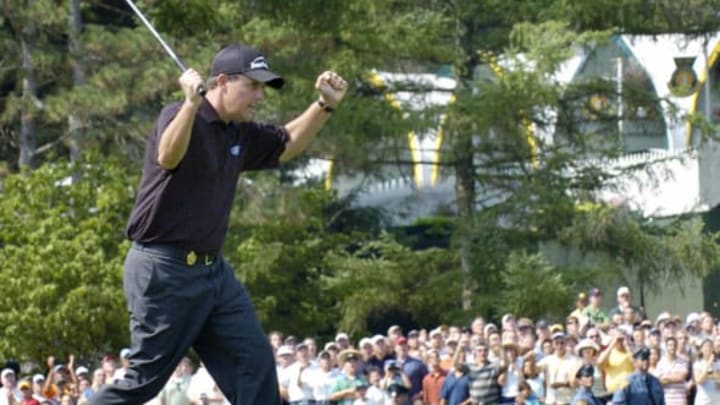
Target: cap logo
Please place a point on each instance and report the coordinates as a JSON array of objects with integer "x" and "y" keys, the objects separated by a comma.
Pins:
[{"x": 259, "y": 63}]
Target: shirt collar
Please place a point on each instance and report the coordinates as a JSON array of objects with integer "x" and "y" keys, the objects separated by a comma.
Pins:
[{"x": 207, "y": 112}]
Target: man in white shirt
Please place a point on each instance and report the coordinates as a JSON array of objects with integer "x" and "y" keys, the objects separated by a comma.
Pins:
[
  {"x": 321, "y": 379},
  {"x": 294, "y": 379},
  {"x": 559, "y": 368}
]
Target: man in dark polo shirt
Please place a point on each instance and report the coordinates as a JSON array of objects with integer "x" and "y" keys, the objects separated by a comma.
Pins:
[{"x": 179, "y": 290}]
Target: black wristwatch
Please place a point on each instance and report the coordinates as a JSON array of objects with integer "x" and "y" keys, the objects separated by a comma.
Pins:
[{"x": 325, "y": 107}]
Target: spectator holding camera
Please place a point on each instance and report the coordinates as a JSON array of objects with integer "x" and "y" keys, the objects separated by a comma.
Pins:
[
  {"x": 616, "y": 362},
  {"x": 394, "y": 375}
]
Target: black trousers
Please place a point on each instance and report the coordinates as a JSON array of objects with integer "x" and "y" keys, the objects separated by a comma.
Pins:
[{"x": 173, "y": 306}]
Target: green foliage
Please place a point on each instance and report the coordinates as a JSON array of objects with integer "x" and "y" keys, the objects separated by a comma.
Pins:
[
  {"x": 62, "y": 252},
  {"x": 383, "y": 277}
]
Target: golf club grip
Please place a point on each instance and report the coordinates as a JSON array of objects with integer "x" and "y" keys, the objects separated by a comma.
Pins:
[{"x": 201, "y": 90}]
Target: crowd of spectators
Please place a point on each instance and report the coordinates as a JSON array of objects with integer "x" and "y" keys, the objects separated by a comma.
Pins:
[{"x": 617, "y": 355}]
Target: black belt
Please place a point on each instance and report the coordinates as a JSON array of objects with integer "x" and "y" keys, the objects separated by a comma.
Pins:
[{"x": 190, "y": 257}]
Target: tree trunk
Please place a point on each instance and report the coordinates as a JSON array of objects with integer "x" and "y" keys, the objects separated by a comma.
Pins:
[
  {"x": 465, "y": 189},
  {"x": 27, "y": 141},
  {"x": 75, "y": 122}
]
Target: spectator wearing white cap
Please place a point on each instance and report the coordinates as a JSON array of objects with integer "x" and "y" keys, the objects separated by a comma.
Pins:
[
  {"x": 624, "y": 300},
  {"x": 295, "y": 381},
  {"x": 436, "y": 340},
  {"x": 343, "y": 341},
  {"x": 692, "y": 325},
  {"x": 381, "y": 349},
  {"x": 321, "y": 379},
  {"x": 707, "y": 325},
  {"x": 38, "y": 384},
  {"x": 559, "y": 369},
  {"x": 124, "y": 364},
  {"x": 284, "y": 357},
  {"x": 367, "y": 356},
  {"x": 9, "y": 382},
  {"x": 394, "y": 332}
]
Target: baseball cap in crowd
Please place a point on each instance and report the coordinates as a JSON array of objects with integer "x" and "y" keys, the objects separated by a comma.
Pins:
[
  {"x": 541, "y": 324},
  {"x": 490, "y": 327},
  {"x": 285, "y": 350},
  {"x": 692, "y": 317},
  {"x": 665, "y": 316},
  {"x": 59, "y": 367},
  {"x": 125, "y": 353},
  {"x": 38, "y": 378},
  {"x": 435, "y": 332},
  {"x": 642, "y": 354},
  {"x": 330, "y": 346},
  {"x": 301, "y": 346},
  {"x": 7, "y": 371},
  {"x": 324, "y": 354},
  {"x": 558, "y": 335},
  {"x": 341, "y": 336},
  {"x": 413, "y": 333},
  {"x": 394, "y": 329},
  {"x": 525, "y": 323},
  {"x": 646, "y": 324},
  {"x": 108, "y": 357},
  {"x": 365, "y": 342},
  {"x": 245, "y": 60},
  {"x": 81, "y": 370},
  {"x": 400, "y": 340},
  {"x": 582, "y": 297},
  {"x": 378, "y": 338},
  {"x": 623, "y": 291},
  {"x": 24, "y": 384},
  {"x": 507, "y": 318},
  {"x": 595, "y": 292},
  {"x": 290, "y": 340},
  {"x": 556, "y": 328}
]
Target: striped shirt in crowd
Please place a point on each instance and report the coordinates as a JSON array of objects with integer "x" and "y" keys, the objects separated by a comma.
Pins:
[
  {"x": 484, "y": 387},
  {"x": 674, "y": 393}
]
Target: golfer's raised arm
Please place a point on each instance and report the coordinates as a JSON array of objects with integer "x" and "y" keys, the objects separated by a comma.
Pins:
[
  {"x": 175, "y": 139},
  {"x": 331, "y": 89}
]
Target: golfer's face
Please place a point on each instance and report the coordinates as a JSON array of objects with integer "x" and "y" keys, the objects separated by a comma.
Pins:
[{"x": 243, "y": 97}]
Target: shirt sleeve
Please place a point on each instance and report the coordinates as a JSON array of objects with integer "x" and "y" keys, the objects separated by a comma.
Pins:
[{"x": 265, "y": 143}]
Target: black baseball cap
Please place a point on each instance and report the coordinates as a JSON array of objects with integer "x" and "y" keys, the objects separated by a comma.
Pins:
[
  {"x": 642, "y": 354},
  {"x": 242, "y": 59}
]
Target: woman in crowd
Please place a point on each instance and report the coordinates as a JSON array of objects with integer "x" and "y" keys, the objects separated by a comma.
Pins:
[
  {"x": 512, "y": 376},
  {"x": 706, "y": 372}
]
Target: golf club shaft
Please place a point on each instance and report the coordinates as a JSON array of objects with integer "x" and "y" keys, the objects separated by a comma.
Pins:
[{"x": 201, "y": 89}]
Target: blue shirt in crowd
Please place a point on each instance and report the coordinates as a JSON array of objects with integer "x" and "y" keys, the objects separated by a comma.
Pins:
[
  {"x": 455, "y": 390},
  {"x": 642, "y": 389}
]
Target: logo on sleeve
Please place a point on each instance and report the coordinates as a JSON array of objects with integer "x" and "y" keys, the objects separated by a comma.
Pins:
[{"x": 235, "y": 150}]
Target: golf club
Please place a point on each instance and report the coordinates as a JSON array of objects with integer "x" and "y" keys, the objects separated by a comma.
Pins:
[{"x": 201, "y": 89}]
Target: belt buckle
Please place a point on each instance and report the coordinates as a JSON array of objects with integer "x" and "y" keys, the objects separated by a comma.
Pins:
[{"x": 191, "y": 258}]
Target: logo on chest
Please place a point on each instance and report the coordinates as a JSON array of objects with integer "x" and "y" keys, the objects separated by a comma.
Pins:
[{"x": 235, "y": 150}]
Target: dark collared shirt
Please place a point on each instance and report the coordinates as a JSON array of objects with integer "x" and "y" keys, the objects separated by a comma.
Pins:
[{"x": 189, "y": 206}]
